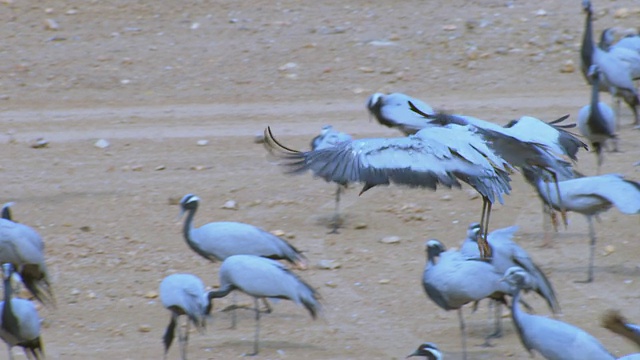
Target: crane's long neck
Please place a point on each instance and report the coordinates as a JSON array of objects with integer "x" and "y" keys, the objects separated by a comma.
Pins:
[
  {"x": 188, "y": 225},
  {"x": 516, "y": 315},
  {"x": 587, "y": 50},
  {"x": 9, "y": 320},
  {"x": 595, "y": 98}
]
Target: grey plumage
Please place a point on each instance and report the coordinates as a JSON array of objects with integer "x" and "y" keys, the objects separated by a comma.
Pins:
[
  {"x": 553, "y": 339},
  {"x": 260, "y": 278},
  {"x": 589, "y": 195},
  {"x": 506, "y": 254},
  {"x": 219, "y": 240},
  {"x": 427, "y": 350},
  {"x": 597, "y": 121},
  {"x": 330, "y": 137},
  {"x": 19, "y": 321},
  {"x": 23, "y": 247},
  {"x": 431, "y": 157},
  {"x": 629, "y": 57},
  {"x": 616, "y": 77},
  {"x": 392, "y": 111},
  {"x": 455, "y": 280},
  {"x": 183, "y": 294}
]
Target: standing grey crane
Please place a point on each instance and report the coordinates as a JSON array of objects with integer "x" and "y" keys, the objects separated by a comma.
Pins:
[
  {"x": 23, "y": 247},
  {"x": 392, "y": 111},
  {"x": 260, "y": 277},
  {"x": 455, "y": 280},
  {"x": 19, "y": 321},
  {"x": 507, "y": 254},
  {"x": 430, "y": 157},
  {"x": 329, "y": 137},
  {"x": 615, "y": 322},
  {"x": 183, "y": 294},
  {"x": 427, "y": 350},
  {"x": 553, "y": 339},
  {"x": 616, "y": 77},
  {"x": 596, "y": 121},
  {"x": 219, "y": 240},
  {"x": 589, "y": 196},
  {"x": 630, "y": 57}
]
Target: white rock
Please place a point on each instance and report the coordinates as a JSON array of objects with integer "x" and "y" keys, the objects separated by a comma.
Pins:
[
  {"x": 390, "y": 239},
  {"x": 203, "y": 142},
  {"x": 102, "y": 144},
  {"x": 328, "y": 264},
  {"x": 230, "y": 205}
]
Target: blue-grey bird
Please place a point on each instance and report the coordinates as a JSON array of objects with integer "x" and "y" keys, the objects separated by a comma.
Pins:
[
  {"x": 330, "y": 137},
  {"x": 19, "y": 321},
  {"x": 429, "y": 351},
  {"x": 392, "y": 111},
  {"x": 615, "y": 77},
  {"x": 183, "y": 294},
  {"x": 23, "y": 247},
  {"x": 597, "y": 121},
  {"x": 630, "y": 57},
  {"x": 615, "y": 322},
  {"x": 455, "y": 280},
  {"x": 506, "y": 254},
  {"x": 431, "y": 157},
  {"x": 264, "y": 278},
  {"x": 589, "y": 196},
  {"x": 553, "y": 339},
  {"x": 219, "y": 240}
]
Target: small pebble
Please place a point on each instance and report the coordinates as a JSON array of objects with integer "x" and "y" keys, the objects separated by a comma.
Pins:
[
  {"x": 203, "y": 142},
  {"x": 230, "y": 205},
  {"x": 621, "y": 13},
  {"x": 144, "y": 328},
  {"x": 39, "y": 143},
  {"x": 51, "y": 24},
  {"x": 390, "y": 239},
  {"x": 328, "y": 265},
  {"x": 278, "y": 233},
  {"x": 360, "y": 226},
  {"x": 384, "y": 281},
  {"x": 102, "y": 144},
  {"x": 258, "y": 138},
  {"x": 609, "y": 249},
  {"x": 151, "y": 295},
  {"x": 568, "y": 67},
  {"x": 331, "y": 284}
]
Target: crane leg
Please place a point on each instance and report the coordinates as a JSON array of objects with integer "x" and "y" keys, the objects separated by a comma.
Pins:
[
  {"x": 183, "y": 338},
  {"x": 256, "y": 339},
  {"x": 483, "y": 245},
  {"x": 335, "y": 222},
  {"x": 592, "y": 250},
  {"x": 268, "y": 308},
  {"x": 563, "y": 210},
  {"x": 463, "y": 334},
  {"x": 497, "y": 332}
]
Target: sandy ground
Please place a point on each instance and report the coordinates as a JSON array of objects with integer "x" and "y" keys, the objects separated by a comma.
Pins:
[{"x": 153, "y": 78}]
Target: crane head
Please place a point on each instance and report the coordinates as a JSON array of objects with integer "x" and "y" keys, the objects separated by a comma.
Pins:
[{"x": 428, "y": 350}]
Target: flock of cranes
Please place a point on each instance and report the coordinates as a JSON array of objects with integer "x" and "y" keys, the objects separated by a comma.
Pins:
[{"x": 438, "y": 150}]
